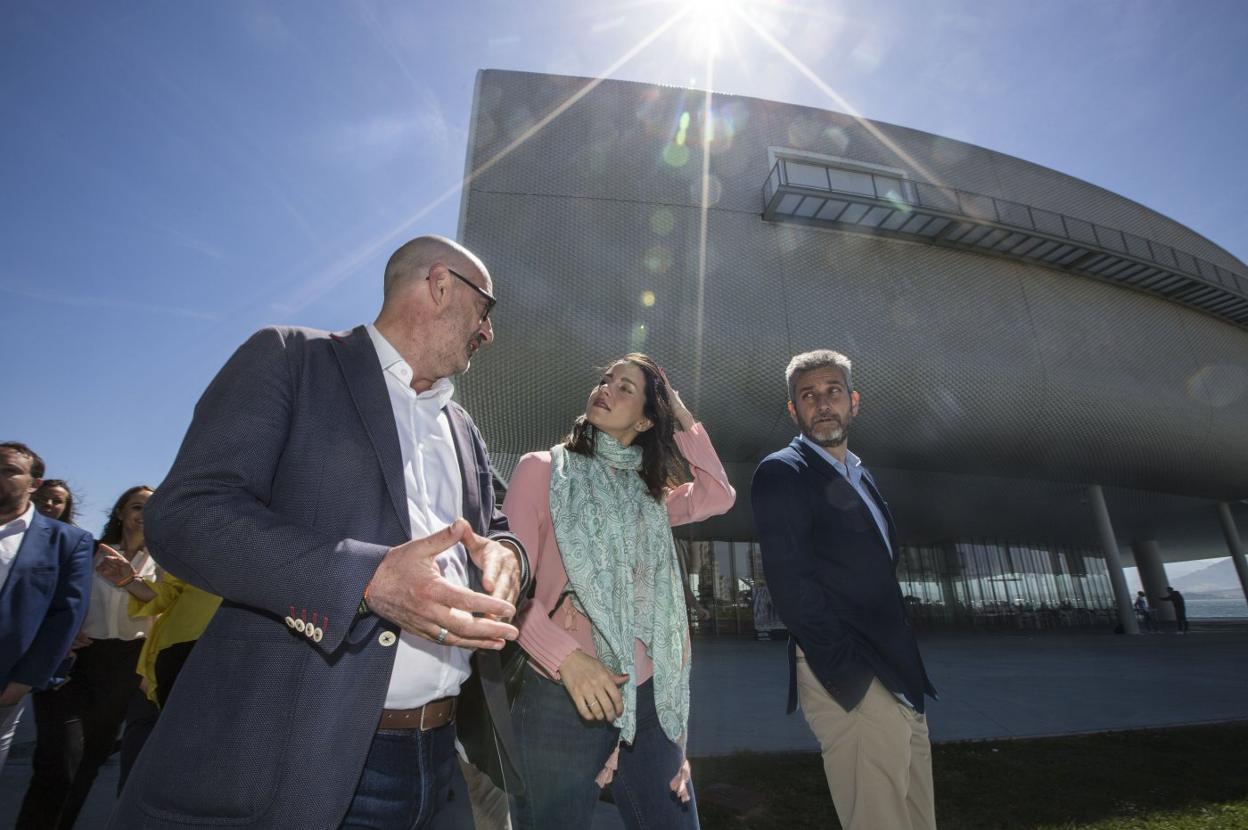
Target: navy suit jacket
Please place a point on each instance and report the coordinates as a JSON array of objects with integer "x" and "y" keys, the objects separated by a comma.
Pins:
[
  {"x": 832, "y": 579},
  {"x": 285, "y": 495},
  {"x": 43, "y": 602}
]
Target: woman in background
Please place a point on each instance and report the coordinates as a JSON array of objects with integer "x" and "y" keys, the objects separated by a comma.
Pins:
[
  {"x": 55, "y": 500},
  {"x": 605, "y": 695},
  {"x": 181, "y": 612},
  {"x": 77, "y": 723}
]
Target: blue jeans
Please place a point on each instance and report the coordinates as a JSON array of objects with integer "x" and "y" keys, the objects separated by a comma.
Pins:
[
  {"x": 411, "y": 781},
  {"x": 560, "y": 755}
]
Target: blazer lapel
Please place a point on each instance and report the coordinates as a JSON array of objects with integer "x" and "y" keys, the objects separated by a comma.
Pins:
[
  {"x": 891, "y": 542},
  {"x": 465, "y": 451},
  {"x": 816, "y": 462},
  {"x": 32, "y": 551},
  {"x": 820, "y": 465},
  {"x": 367, "y": 386}
]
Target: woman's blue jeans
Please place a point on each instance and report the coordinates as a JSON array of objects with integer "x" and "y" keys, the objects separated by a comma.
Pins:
[{"x": 560, "y": 755}]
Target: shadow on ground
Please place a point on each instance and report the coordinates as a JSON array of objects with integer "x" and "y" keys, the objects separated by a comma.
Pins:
[{"x": 1174, "y": 778}]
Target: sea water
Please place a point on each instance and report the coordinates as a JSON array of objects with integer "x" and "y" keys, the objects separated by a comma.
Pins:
[{"x": 1216, "y": 609}]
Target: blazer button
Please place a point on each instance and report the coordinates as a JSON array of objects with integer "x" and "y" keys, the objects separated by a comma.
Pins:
[
  {"x": 310, "y": 630},
  {"x": 300, "y": 626},
  {"x": 318, "y": 635},
  {"x": 387, "y": 638},
  {"x": 290, "y": 621}
]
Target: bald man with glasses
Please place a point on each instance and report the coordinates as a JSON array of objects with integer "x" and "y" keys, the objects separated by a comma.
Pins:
[{"x": 341, "y": 503}]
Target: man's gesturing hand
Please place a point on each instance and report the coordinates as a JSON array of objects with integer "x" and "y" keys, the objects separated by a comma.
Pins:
[
  {"x": 500, "y": 567},
  {"x": 409, "y": 590}
]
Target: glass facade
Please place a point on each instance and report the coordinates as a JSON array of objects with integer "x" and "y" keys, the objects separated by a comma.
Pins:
[{"x": 962, "y": 585}]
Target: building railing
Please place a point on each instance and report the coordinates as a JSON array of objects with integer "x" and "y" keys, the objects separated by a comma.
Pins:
[{"x": 814, "y": 192}]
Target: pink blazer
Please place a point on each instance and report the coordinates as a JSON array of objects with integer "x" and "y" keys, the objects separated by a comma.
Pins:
[{"x": 549, "y": 641}]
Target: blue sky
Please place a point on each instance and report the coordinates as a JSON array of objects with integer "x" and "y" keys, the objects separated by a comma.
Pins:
[{"x": 176, "y": 175}]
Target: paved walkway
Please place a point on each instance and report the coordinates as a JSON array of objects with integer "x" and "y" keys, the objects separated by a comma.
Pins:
[{"x": 991, "y": 686}]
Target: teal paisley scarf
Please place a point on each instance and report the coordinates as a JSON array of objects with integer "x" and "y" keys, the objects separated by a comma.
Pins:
[{"x": 617, "y": 548}]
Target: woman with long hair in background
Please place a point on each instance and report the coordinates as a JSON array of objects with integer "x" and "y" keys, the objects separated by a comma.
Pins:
[
  {"x": 605, "y": 693},
  {"x": 55, "y": 500},
  {"x": 77, "y": 723},
  {"x": 180, "y": 612}
]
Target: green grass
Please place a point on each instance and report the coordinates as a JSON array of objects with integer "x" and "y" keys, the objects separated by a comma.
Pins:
[{"x": 1173, "y": 779}]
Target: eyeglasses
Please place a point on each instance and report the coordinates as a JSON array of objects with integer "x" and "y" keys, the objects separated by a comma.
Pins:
[{"x": 490, "y": 300}]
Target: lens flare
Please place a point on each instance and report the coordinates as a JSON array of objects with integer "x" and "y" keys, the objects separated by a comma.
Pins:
[
  {"x": 637, "y": 342},
  {"x": 708, "y": 190},
  {"x": 1217, "y": 385},
  {"x": 662, "y": 221},
  {"x": 658, "y": 260},
  {"x": 676, "y": 155}
]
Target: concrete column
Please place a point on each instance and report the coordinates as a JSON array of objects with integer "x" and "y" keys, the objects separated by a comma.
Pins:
[
  {"x": 1231, "y": 532},
  {"x": 1153, "y": 577},
  {"x": 950, "y": 565},
  {"x": 1109, "y": 545}
]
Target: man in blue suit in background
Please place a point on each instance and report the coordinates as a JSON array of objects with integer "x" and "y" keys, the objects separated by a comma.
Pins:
[
  {"x": 830, "y": 555},
  {"x": 45, "y": 582}
]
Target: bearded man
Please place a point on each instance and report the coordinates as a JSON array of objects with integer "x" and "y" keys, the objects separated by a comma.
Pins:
[{"x": 830, "y": 551}]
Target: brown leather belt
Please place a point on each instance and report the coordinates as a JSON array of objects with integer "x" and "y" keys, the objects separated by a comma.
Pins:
[{"x": 434, "y": 714}]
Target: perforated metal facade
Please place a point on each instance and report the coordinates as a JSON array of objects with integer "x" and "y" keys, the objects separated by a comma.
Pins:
[{"x": 994, "y": 389}]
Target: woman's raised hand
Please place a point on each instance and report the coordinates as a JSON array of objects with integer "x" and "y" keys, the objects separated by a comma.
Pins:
[
  {"x": 114, "y": 567},
  {"x": 681, "y": 412},
  {"x": 594, "y": 689}
]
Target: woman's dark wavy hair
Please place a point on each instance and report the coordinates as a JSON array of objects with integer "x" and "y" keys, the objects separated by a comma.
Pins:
[
  {"x": 112, "y": 534},
  {"x": 662, "y": 466},
  {"x": 68, "y": 516}
]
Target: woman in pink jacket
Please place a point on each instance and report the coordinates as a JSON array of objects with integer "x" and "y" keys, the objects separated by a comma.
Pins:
[{"x": 605, "y": 694}]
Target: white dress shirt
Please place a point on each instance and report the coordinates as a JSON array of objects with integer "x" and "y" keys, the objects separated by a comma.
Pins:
[
  {"x": 108, "y": 617},
  {"x": 423, "y": 670},
  {"x": 11, "y": 536}
]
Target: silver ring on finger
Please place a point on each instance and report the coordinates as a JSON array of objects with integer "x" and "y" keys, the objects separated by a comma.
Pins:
[{"x": 441, "y": 638}]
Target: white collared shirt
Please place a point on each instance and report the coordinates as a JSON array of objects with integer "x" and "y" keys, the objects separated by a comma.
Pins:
[
  {"x": 425, "y": 671},
  {"x": 11, "y": 536},
  {"x": 108, "y": 617}
]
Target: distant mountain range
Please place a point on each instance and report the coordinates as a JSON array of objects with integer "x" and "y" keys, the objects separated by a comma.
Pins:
[{"x": 1218, "y": 580}]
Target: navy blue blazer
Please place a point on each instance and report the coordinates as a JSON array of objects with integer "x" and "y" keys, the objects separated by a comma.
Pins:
[
  {"x": 832, "y": 579},
  {"x": 285, "y": 495},
  {"x": 43, "y": 602}
]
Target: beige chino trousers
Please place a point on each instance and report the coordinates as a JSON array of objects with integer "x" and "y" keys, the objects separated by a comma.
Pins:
[
  {"x": 491, "y": 809},
  {"x": 877, "y": 757}
]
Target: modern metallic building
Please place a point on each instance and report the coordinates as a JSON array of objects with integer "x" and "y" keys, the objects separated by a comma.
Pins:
[{"x": 1054, "y": 378}]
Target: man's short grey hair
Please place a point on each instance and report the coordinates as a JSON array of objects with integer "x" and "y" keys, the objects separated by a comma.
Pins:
[{"x": 818, "y": 359}]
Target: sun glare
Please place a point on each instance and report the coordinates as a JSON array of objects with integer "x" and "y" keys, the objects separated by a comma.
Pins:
[{"x": 706, "y": 23}]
